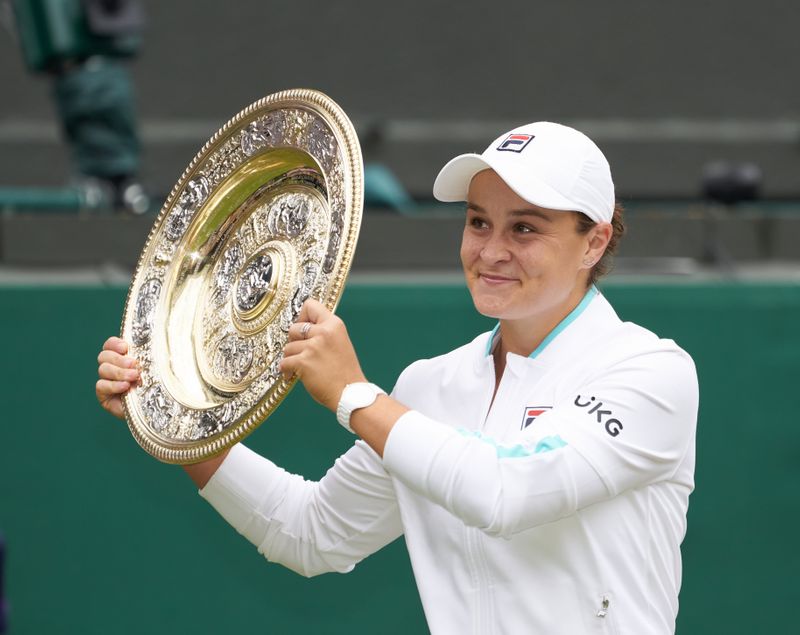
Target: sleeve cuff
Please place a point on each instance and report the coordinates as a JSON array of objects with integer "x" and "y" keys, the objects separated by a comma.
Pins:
[{"x": 240, "y": 486}]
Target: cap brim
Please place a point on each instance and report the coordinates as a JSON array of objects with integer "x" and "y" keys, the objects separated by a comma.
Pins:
[{"x": 452, "y": 183}]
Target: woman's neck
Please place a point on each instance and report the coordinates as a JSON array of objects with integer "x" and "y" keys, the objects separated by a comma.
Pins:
[{"x": 523, "y": 337}]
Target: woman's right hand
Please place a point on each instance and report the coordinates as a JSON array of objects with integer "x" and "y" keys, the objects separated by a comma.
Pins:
[{"x": 117, "y": 372}]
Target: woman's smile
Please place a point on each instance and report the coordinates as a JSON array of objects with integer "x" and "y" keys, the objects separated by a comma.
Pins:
[{"x": 495, "y": 279}]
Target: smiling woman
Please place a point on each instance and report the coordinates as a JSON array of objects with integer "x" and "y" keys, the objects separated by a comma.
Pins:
[
  {"x": 541, "y": 473},
  {"x": 524, "y": 264}
]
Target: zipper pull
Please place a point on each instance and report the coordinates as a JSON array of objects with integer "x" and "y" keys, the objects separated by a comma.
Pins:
[{"x": 604, "y": 607}]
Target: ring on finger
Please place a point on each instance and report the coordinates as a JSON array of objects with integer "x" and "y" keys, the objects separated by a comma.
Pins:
[{"x": 304, "y": 331}]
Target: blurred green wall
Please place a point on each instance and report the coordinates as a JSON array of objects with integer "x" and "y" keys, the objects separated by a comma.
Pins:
[{"x": 103, "y": 539}]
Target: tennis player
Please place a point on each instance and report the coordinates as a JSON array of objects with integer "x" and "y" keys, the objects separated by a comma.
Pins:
[{"x": 541, "y": 473}]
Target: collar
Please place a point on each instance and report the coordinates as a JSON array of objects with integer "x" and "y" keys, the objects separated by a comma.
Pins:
[{"x": 573, "y": 315}]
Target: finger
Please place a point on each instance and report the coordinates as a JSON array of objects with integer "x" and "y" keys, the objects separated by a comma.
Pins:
[
  {"x": 294, "y": 331},
  {"x": 292, "y": 363},
  {"x": 117, "y": 373},
  {"x": 106, "y": 389},
  {"x": 300, "y": 331},
  {"x": 293, "y": 348},
  {"x": 289, "y": 360},
  {"x": 303, "y": 315},
  {"x": 114, "y": 405},
  {"x": 314, "y": 311},
  {"x": 116, "y": 408},
  {"x": 288, "y": 369},
  {"x": 116, "y": 359},
  {"x": 116, "y": 344}
]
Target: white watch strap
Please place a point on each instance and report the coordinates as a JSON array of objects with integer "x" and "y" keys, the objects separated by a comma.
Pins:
[{"x": 355, "y": 396}]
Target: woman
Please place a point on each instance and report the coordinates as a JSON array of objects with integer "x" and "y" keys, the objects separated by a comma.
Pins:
[{"x": 540, "y": 473}]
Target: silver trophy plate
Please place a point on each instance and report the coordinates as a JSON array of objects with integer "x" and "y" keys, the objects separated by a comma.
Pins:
[{"x": 265, "y": 216}]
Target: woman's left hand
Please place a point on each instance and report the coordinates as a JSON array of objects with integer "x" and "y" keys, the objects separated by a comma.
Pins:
[{"x": 321, "y": 355}]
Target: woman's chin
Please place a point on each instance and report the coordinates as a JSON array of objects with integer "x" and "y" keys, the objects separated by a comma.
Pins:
[{"x": 489, "y": 308}]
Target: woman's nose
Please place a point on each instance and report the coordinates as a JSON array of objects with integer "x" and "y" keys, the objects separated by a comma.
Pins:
[{"x": 494, "y": 249}]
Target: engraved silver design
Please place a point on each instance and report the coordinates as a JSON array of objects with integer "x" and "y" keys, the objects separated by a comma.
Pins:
[
  {"x": 254, "y": 283},
  {"x": 262, "y": 133},
  {"x": 193, "y": 196},
  {"x": 233, "y": 358},
  {"x": 287, "y": 318},
  {"x": 310, "y": 273},
  {"x": 222, "y": 162},
  {"x": 144, "y": 310},
  {"x": 296, "y": 123},
  {"x": 334, "y": 241},
  {"x": 322, "y": 143},
  {"x": 274, "y": 370},
  {"x": 211, "y": 422},
  {"x": 228, "y": 266},
  {"x": 290, "y": 216},
  {"x": 158, "y": 407}
]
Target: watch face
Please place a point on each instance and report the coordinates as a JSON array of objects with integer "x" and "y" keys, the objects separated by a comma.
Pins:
[{"x": 361, "y": 395}]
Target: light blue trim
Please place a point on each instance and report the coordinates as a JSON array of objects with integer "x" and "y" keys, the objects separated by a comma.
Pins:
[
  {"x": 492, "y": 335},
  {"x": 549, "y": 443},
  {"x": 516, "y": 451},
  {"x": 573, "y": 315}
]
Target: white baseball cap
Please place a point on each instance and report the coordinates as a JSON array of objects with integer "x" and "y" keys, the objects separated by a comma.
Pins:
[{"x": 547, "y": 164}]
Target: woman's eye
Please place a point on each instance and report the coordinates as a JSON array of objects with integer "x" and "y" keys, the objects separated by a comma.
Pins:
[
  {"x": 477, "y": 222},
  {"x": 524, "y": 229}
]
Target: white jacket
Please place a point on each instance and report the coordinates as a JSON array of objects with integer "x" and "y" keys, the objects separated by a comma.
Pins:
[{"x": 559, "y": 508}]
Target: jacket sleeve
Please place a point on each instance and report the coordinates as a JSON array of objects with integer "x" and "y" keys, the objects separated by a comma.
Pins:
[
  {"x": 628, "y": 427},
  {"x": 310, "y": 527}
]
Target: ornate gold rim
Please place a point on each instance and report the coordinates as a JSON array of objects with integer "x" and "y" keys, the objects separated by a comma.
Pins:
[{"x": 185, "y": 452}]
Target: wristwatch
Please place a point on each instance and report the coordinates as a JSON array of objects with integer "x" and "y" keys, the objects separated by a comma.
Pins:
[{"x": 354, "y": 396}]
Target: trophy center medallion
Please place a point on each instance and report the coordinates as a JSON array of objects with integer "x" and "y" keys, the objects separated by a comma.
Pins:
[{"x": 254, "y": 285}]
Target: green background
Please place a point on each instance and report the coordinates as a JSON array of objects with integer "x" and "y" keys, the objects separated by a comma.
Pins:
[{"x": 103, "y": 539}]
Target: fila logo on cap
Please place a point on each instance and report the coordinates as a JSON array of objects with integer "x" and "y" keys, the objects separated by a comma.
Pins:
[
  {"x": 515, "y": 142},
  {"x": 531, "y": 412}
]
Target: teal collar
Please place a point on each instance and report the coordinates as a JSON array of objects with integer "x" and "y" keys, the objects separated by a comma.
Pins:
[{"x": 573, "y": 315}]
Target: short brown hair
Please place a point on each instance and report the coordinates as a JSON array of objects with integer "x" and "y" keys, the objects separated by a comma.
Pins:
[{"x": 605, "y": 264}]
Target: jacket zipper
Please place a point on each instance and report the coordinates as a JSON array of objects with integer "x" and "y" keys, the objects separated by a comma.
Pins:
[
  {"x": 482, "y": 611},
  {"x": 489, "y": 403},
  {"x": 603, "y": 607}
]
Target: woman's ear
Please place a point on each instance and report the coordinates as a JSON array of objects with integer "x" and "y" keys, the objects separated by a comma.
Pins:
[{"x": 597, "y": 241}]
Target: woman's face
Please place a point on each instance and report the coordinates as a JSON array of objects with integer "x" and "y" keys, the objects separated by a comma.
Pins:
[{"x": 521, "y": 261}]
